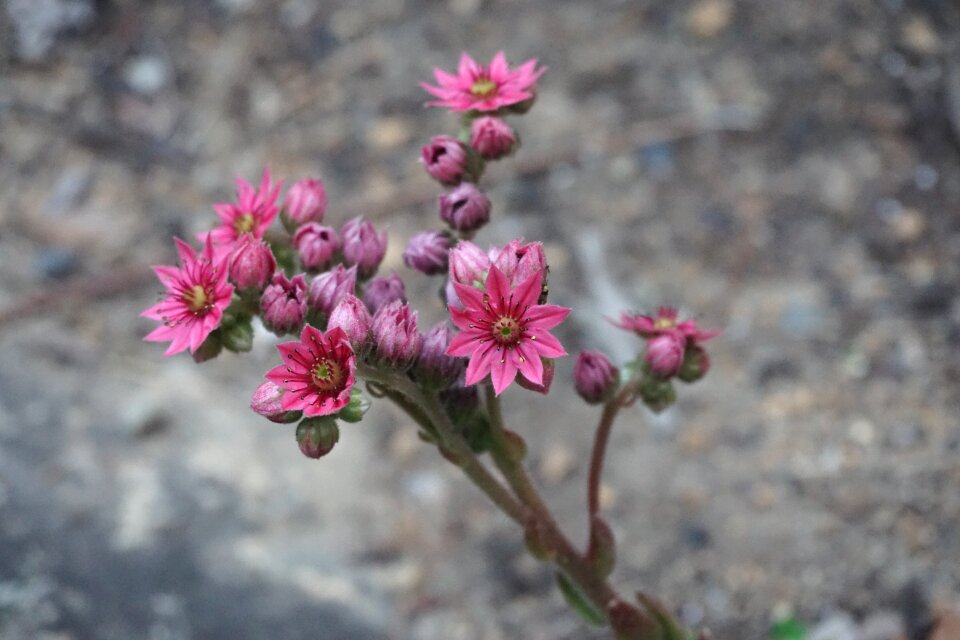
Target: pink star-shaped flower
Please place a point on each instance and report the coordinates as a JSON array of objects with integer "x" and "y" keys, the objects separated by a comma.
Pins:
[
  {"x": 664, "y": 322},
  {"x": 252, "y": 213},
  {"x": 317, "y": 373},
  {"x": 504, "y": 331},
  {"x": 484, "y": 88},
  {"x": 192, "y": 307}
]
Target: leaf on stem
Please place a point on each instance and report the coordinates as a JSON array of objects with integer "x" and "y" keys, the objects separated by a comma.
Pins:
[
  {"x": 602, "y": 551},
  {"x": 579, "y": 602}
]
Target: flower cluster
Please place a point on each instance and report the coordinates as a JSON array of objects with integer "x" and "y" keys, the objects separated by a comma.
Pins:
[{"x": 322, "y": 284}]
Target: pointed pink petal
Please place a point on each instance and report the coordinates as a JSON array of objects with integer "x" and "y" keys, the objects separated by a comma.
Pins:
[
  {"x": 545, "y": 344},
  {"x": 461, "y": 318},
  {"x": 470, "y": 296},
  {"x": 503, "y": 371},
  {"x": 185, "y": 251},
  {"x": 479, "y": 365},
  {"x": 528, "y": 292},
  {"x": 497, "y": 287},
  {"x": 545, "y": 316},
  {"x": 463, "y": 344},
  {"x": 530, "y": 364},
  {"x": 468, "y": 67},
  {"x": 499, "y": 69}
]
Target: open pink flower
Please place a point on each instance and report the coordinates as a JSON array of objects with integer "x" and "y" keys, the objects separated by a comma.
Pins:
[
  {"x": 197, "y": 293},
  {"x": 665, "y": 321},
  {"x": 317, "y": 374},
  {"x": 484, "y": 88},
  {"x": 252, "y": 213},
  {"x": 503, "y": 330}
]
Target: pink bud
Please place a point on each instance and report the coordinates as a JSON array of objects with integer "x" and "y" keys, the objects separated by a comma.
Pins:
[
  {"x": 519, "y": 261},
  {"x": 665, "y": 354},
  {"x": 395, "y": 334},
  {"x": 445, "y": 159},
  {"x": 306, "y": 201},
  {"x": 251, "y": 265},
  {"x": 594, "y": 376},
  {"x": 283, "y": 304},
  {"x": 434, "y": 367},
  {"x": 352, "y": 316},
  {"x": 328, "y": 288},
  {"x": 362, "y": 246},
  {"x": 428, "y": 252},
  {"x": 548, "y": 370},
  {"x": 465, "y": 208},
  {"x": 468, "y": 263},
  {"x": 267, "y": 402},
  {"x": 316, "y": 245},
  {"x": 384, "y": 290},
  {"x": 492, "y": 137}
]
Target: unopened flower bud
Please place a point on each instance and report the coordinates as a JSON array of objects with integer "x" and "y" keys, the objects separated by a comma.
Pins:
[
  {"x": 362, "y": 246},
  {"x": 492, "y": 137},
  {"x": 695, "y": 365},
  {"x": 468, "y": 263},
  {"x": 316, "y": 245},
  {"x": 395, "y": 335},
  {"x": 518, "y": 261},
  {"x": 283, "y": 305},
  {"x": 317, "y": 436},
  {"x": 665, "y": 354},
  {"x": 267, "y": 401},
  {"x": 428, "y": 252},
  {"x": 306, "y": 201},
  {"x": 251, "y": 265},
  {"x": 352, "y": 316},
  {"x": 548, "y": 370},
  {"x": 657, "y": 393},
  {"x": 384, "y": 290},
  {"x": 434, "y": 368},
  {"x": 595, "y": 377},
  {"x": 445, "y": 159},
  {"x": 356, "y": 408},
  {"x": 329, "y": 288},
  {"x": 465, "y": 208}
]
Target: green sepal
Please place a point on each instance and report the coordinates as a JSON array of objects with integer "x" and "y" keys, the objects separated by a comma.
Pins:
[
  {"x": 356, "y": 408},
  {"x": 237, "y": 334},
  {"x": 209, "y": 349}
]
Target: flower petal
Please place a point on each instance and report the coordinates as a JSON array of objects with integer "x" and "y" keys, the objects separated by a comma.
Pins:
[
  {"x": 544, "y": 343},
  {"x": 479, "y": 365},
  {"x": 545, "y": 316},
  {"x": 503, "y": 371}
]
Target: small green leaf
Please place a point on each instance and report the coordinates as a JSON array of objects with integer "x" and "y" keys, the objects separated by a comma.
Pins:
[{"x": 579, "y": 603}]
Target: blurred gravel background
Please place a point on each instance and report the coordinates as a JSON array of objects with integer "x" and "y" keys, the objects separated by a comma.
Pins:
[{"x": 785, "y": 170}]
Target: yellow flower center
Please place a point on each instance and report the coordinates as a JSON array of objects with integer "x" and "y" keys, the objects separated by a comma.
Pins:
[
  {"x": 244, "y": 223},
  {"x": 483, "y": 88},
  {"x": 327, "y": 375},
  {"x": 663, "y": 323},
  {"x": 196, "y": 299}
]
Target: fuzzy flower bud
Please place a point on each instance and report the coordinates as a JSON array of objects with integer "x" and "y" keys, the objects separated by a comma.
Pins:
[
  {"x": 306, "y": 201},
  {"x": 395, "y": 334},
  {"x": 384, "y": 290},
  {"x": 695, "y": 365},
  {"x": 492, "y": 138},
  {"x": 595, "y": 377},
  {"x": 665, "y": 354},
  {"x": 316, "y": 245},
  {"x": 445, "y": 159},
  {"x": 465, "y": 208},
  {"x": 362, "y": 246},
  {"x": 267, "y": 402},
  {"x": 434, "y": 368},
  {"x": 317, "y": 436},
  {"x": 428, "y": 252},
  {"x": 283, "y": 305},
  {"x": 519, "y": 261},
  {"x": 468, "y": 264},
  {"x": 251, "y": 265},
  {"x": 352, "y": 316},
  {"x": 329, "y": 288}
]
